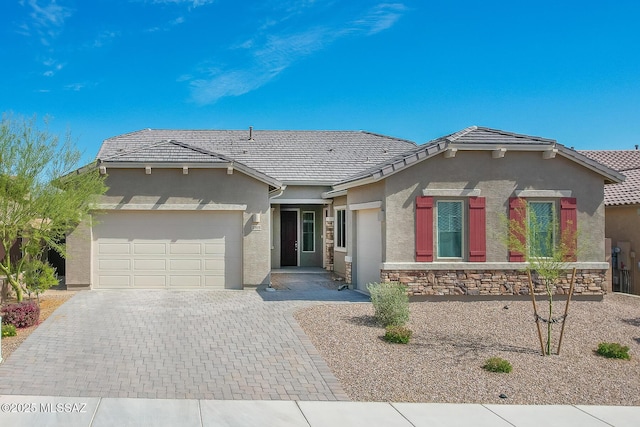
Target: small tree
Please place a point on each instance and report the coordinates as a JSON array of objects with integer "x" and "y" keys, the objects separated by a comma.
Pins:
[
  {"x": 43, "y": 194},
  {"x": 547, "y": 249}
]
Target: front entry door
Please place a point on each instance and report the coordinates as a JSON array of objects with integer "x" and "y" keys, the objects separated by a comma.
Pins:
[{"x": 288, "y": 238}]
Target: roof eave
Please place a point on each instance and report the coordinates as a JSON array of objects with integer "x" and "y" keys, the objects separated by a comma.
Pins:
[
  {"x": 195, "y": 165},
  {"x": 611, "y": 176}
]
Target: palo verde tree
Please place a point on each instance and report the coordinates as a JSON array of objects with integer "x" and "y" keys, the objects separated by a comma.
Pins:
[
  {"x": 43, "y": 193},
  {"x": 547, "y": 242}
]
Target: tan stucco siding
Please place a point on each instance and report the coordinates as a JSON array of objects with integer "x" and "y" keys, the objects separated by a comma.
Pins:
[
  {"x": 497, "y": 180},
  {"x": 301, "y": 192},
  {"x": 198, "y": 187},
  {"x": 623, "y": 225}
]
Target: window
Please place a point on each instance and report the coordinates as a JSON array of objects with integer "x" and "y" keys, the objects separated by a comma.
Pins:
[
  {"x": 449, "y": 229},
  {"x": 545, "y": 227},
  {"x": 341, "y": 229},
  {"x": 308, "y": 231},
  {"x": 444, "y": 229},
  {"x": 542, "y": 226}
]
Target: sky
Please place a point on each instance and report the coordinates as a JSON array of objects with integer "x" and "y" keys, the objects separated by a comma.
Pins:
[{"x": 412, "y": 69}]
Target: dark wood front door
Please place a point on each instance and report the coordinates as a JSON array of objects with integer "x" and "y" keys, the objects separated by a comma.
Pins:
[{"x": 288, "y": 238}]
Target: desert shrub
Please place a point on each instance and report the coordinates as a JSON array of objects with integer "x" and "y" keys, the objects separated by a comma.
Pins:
[
  {"x": 398, "y": 334},
  {"x": 613, "y": 350},
  {"x": 390, "y": 302},
  {"x": 8, "y": 331},
  {"x": 497, "y": 364},
  {"x": 22, "y": 314},
  {"x": 39, "y": 276}
]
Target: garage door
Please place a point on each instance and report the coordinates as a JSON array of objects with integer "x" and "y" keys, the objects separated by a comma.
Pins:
[
  {"x": 368, "y": 249},
  {"x": 168, "y": 250}
]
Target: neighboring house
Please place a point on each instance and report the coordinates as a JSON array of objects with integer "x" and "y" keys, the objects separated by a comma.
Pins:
[
  {"x": 221, "y": 209},
  {"x": 622, "y": 216}
]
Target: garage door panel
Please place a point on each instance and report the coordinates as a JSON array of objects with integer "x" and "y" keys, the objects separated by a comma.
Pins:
[
  {"x": 185, "y": 264},
  {"x": 114, "y": 264},
  {"x": 149, "y": 248},
  {"x": 214, "y": 264},
  {"x": 114, "y": 248},
  {"x": 115, "y": 281},
  {"x": 149, "y": 281},
  {"x": 150, "y": 264},
  {"x": 168, "y": 250},
  {"x": 215, "y": 248},
  {"x": 185, "y": 248}
]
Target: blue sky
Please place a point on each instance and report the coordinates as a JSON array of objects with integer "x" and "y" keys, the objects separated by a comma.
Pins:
[{"x": 567, "y": 70}]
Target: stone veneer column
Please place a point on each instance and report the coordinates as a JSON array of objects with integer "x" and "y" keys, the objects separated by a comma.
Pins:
[{"x": 328, "y": 243}]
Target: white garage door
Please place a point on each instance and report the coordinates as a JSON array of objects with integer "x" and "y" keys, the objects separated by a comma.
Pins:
[
  {"x": 369, "y": 248},
  {"x": 168, "y": 250}
]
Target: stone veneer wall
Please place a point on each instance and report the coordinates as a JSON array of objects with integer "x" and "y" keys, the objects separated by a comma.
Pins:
[
  {"x": 347, "y": 274},
  {"x": 488, "y": 282}
]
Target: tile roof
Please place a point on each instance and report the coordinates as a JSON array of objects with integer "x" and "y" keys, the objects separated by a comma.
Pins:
[
  {"x": 626, "y": 162},
  {"x": 620, "y": 160},
  {"x": 288, "y": 156},
  {"x": 481, "y": 138},
  {"x": 483, "y": 135},
  {"x": 160, "y": 151}
]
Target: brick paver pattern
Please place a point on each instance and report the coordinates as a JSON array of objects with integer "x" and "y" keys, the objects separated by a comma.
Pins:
[{"x": 175, "y": 345}]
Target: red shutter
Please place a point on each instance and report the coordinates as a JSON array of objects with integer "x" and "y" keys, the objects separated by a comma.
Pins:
[
  {"x": 477, "y": 230},
  {"x": 424, "y": 229},
  {"x": 569, "y": 226},
  {"x": 517, "y": 213}
]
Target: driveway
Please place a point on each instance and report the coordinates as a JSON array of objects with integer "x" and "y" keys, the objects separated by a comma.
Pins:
[{"x": 175, "y": 345}]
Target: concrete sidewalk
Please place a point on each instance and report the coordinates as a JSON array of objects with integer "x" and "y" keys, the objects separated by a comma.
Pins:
[{"x": 18, "y": 411}]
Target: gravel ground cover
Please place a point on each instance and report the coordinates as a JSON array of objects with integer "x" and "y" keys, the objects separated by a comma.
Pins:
[
  {"x": 452, "y": 340},
  {"x": 49, "y": 302}
]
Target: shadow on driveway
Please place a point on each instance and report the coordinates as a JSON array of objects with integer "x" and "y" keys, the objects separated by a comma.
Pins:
[{"x": 310, "y": 292}]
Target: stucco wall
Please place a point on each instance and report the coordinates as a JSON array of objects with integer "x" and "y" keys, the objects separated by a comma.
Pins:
[
  {"x": 497, "y": 179},
  {"x": 198, "y": 187},
  {"x": 78, "y": 260},
  {"x": 623, "y": 224}
]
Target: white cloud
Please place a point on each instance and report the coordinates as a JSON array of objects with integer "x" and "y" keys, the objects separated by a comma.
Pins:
[
  {"x": 271, "y": 53},
  {"x": 104, "y": 38},
  {"x": 47, "y": 17},
  {"x": 191, "y": 3},
  {"x": 76, "y": 87},
  {"x": 381, "y": 17}
]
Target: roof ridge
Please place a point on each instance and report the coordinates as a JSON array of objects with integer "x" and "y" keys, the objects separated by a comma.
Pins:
[
  {"x": 128, "y": 133},
  {"x": 200, "y": 150},
  {"x": 460, "y": 133},
  {"x": 140, "y": 148},
  {"x": 388, "y": 137},
  {"x": 516, "y": 135}
]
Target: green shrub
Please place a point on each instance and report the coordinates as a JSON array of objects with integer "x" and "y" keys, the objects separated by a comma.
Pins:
[
  {"x": 398, "y": 334},
  {"x": 8, "y": 331},
  {"x": 39, "y": 276},
  {"x": 390, "y": 302},
  {"x": 613, "y": 350},
  {"x": 497, "y": 364}
]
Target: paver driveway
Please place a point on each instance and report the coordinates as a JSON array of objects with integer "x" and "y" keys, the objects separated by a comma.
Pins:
[{"x": 174, "y": 344}]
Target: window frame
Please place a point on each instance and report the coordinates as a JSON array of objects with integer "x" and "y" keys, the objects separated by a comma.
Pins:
[
  {"x": 340, "y": 229},
  {"x": 313, "y": 231},
  {"x": 555, "y": 225},
  {"x": 463, "y": 231}
]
